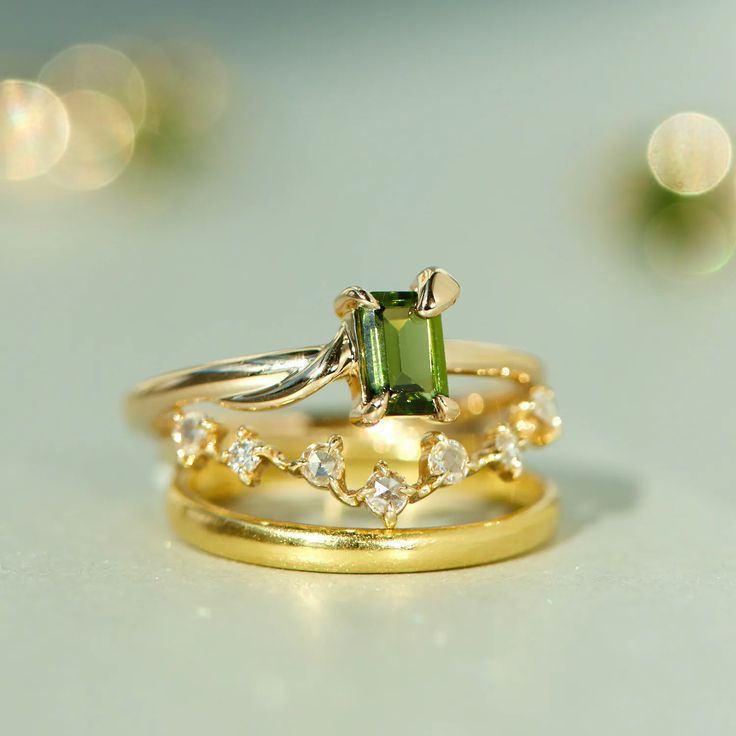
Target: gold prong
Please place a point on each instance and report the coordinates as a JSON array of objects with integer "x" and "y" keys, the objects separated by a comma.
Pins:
[
  {"x": 389, "y": 518},
  {"x": 245, "y": 433},
  {"x": 445, "y": 409},
  {"x": 436, "y": 292},
  {"x": 540, "y": 427},
  {"x": 382, "y": 467},
  {"x": 335, "y": 441},
  {"x": 348, "y": 300},
  {"x": 430, "y": 439},
  {"x": 208, "y": 448},
  {"x": 370, "y": 413}
]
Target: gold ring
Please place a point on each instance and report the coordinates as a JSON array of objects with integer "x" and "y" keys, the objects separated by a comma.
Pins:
[
  {"x": 390, "y": 350},
  {"x": 202, "y": 519}
]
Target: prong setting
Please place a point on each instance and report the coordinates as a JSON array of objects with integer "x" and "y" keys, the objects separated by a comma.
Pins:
[
  {"x": 322, "y": 464},
  {"x": 196, "y": 438},
  {"x": 348, "y": 300},
  {"x": 386, "y": 494},
  {"x": 436, "y": 291},
  {"x": 445, "y": 409},
  {"x": 446, "y": 460},
  {"x": 537, "y": 420},
  {"x": 366, "y": 414},
  {"x": 245, "y": 456}
]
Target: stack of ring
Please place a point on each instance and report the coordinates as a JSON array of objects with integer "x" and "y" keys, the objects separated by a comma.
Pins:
[{"x": 390, "y": 350}]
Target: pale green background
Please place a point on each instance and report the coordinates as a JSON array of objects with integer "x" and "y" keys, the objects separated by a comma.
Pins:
[{"x": 363, "y": 142}]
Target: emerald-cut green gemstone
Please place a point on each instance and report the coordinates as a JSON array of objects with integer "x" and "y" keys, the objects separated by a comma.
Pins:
[{"x": 402, "y": 353}]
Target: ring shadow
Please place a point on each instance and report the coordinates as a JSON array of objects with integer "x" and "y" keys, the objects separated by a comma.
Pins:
[{"x": 588, "y": 495}]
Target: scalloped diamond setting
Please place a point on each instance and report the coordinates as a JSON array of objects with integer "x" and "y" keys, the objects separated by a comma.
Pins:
[
  {"x": 448, "y": 459},
  {"x": 323, "y": 464},
  {"x": 386, "y": 494},
  {"x": 442, "y": 461},
  {"x": 243, "y": 459}
]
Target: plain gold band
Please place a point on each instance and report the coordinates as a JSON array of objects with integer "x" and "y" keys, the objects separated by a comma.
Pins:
[{"x": 239, "y": 536}]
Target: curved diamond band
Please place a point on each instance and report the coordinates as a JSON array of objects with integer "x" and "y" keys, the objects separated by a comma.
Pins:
[{"x": 442, "y": 461}]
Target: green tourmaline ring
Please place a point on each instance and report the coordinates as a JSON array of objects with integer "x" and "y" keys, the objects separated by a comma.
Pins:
[{"x": 390, "y": 350}]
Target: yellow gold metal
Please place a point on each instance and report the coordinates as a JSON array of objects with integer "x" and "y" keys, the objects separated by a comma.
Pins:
[
  {"x": 446, "y": 409},
  {"x": 222, "y": 382},
  {"x": 370, "y": 413},
  {"x": 206, "y": 448},
  {"x": 436, "y": 292},
  {"x": 532, "y": 425},
  {"x": 297, "y": 546},
  {"x": 348, "y": 300}
]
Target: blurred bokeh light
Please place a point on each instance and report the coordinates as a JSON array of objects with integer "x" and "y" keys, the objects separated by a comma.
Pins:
[
  {"x": 34, "y": 129},
  {"x": 101, "y": 142},
  {"x": 99, "y": 69},
  {"x": 189, "y": 86},
  {"x": 687, "y": 241},
  {"x": 94, "y": 107},
  {"x": 689, "y": 153}
]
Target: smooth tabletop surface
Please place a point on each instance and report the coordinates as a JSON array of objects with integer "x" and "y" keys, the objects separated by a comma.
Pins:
[{"x": 363, "y": 142}]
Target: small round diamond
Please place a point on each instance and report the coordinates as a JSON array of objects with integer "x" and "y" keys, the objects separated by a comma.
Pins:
[
  {"x": 508, "y": 452},
  {"x": 243, "y": 459},
  {"x": 322, "y": 463},
  {"x": 193, "y": 434},
  {"x": 386, "y": 494},
  {"x": 544, "y": 406},
  {"x": 449, "y": 459}
]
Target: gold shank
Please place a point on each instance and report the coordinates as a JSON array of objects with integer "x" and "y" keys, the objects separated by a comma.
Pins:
[
  {"x": 225, "y": 532},
  {"x": 219, "y": 382}
]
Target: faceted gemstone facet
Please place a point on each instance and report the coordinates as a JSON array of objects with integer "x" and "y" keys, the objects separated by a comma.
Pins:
[
  {"x": 545, "y": 406},
  {"x": 506, "y": 445},
  {"x": 401, "y": 353},
  {"x": 323, "y": 463},
  {"x": 385, "y": 493},
  {"x": 192, "y": 433},
  {"x": 448, "y": 458},
  {"x": 243, "y": 459}
]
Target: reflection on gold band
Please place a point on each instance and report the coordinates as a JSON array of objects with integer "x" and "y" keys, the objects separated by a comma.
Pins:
[{"x": 257, "y": 539}]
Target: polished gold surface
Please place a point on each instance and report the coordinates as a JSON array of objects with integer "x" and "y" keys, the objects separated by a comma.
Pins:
[
  {"x": 245, "y": 537},
  {"x": 436, "y": 292},
  {"x": 230, "y": 382}
]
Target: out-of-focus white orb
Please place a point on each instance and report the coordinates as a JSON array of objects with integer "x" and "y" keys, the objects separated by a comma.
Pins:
[
  {"x": 689, "y": 153},
  {"x": 102, "y": 69},
  {"x": 101, "y": 142},
  {"x": 34, "y": 129}
]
